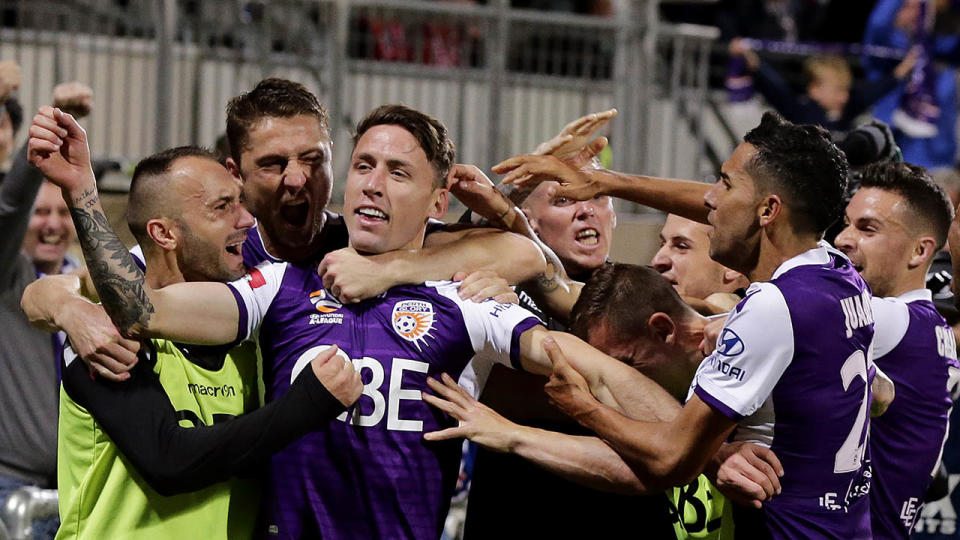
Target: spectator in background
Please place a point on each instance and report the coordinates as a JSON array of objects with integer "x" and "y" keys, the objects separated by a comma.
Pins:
[
  {"x": 36, "y": 233},
  {"x": 892, "y": 24},
  {"x": 11, "y": 113},
  {"x": 830, "y": 99}
]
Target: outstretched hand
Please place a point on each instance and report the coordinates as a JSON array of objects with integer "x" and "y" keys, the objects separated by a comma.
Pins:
[
  {"x": 572, "y": 140},
  {"x": 475, "y": 421},
  {"x": 579, "y": 184},
  {"x": 58, "y": 147}
]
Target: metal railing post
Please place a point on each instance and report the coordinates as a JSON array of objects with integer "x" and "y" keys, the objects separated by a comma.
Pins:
[
  {"x": 166, "y": 21},
  {"x": 497, "y": 66}
]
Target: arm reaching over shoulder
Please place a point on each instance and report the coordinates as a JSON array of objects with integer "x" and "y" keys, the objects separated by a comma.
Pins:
[
  {"x": 681, "y": 197},
  {"x": 53, "y": 303},
  {"x": 552, "y": 290},
  {"x": 613, "y": 382},
  {"x": 204, "y": 313},
  {"x": 672, "y": 452},
  {"x": 352, "y": 277}
]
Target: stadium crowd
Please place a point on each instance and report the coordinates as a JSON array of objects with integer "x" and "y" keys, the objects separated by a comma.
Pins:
[{"x": 261, "y": 366}]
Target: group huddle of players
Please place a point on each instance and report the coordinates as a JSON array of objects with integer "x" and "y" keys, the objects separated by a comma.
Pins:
[{"x": 284, "y": 371}]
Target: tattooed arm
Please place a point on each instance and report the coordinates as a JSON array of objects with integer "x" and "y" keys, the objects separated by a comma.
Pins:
[
  {"x": 204, "y": 313},
  {"x": 553, "y": 291}
]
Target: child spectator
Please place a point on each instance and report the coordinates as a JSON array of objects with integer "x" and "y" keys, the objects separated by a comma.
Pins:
[{"x": 831, "y": 100}]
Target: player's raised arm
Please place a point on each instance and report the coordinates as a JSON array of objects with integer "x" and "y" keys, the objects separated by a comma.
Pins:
[
  {"x": 553, "y": 290},
  {"x": 204, "y": 313},
  {"x": 681, "y": 197}
]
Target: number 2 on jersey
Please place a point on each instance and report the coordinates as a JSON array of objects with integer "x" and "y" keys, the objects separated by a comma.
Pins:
[{"x": 850, "y": 454}]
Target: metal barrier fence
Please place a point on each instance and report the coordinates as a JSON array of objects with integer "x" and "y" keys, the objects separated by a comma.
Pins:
[
  {"x": 501, "y": 79},
  {"x": 22, "y": 508}
]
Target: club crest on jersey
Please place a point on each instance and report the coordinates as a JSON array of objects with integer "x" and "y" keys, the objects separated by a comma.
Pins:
[
  {"x": 413, "y": 320},
  {"x": 324, "y": 302},
  {"x": 729, "y": 343}
]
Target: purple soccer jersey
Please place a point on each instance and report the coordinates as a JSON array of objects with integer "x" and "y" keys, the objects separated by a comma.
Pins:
[
  {"x": 791, "y": 367},
  {"x": 370, "y": 474},
  {"x": 915, "y": 348}
]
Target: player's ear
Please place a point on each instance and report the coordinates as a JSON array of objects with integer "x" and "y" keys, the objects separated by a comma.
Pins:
[
  {"x": 924, "y": 249},
  {"x": 530, "y": 219},
  {"x": 664, "y": 327},
  {"x": 234, "y": 168},
  {"x": 439, "y": 204},
  {"x": 769, "y": 209},
  {"x": 164, "y": 233}
]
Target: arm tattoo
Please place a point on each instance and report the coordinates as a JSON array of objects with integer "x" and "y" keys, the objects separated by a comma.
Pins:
[
  {"x": 549, "y": 280},
  {"x": 119, "y": 281}
]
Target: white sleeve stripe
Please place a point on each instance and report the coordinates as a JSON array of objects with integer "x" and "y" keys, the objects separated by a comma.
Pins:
[
  {"x": 255, "y": 293},
  {"x": 491, "y": 326},
  {"x": 754, "y": 349}
]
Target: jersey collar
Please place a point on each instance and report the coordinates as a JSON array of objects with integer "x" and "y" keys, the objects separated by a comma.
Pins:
[
  {"x": 915, "y": 295},
  {"x": 818, "y": 255}
]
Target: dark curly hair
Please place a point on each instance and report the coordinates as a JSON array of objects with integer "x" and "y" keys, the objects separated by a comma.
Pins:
[
  {"x": 928, "y": 202},
  {"x": 801, "y": 163}
]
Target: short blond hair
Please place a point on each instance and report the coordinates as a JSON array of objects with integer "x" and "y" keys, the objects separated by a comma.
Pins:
[{"x": 818, "y": 67}]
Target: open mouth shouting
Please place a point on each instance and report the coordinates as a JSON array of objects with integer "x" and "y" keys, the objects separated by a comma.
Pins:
[
  {"x": 588, "y": 237},
  {"x": 295, "y": 213}
]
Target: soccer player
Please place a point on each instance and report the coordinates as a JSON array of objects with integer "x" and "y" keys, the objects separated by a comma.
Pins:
[
  {"x": 281, "y": 151},
  {"x": 123, "y": 476},
  {"x": 896, "y": 222},
  {"x": 371, "y": 474},
  {"x": 684, "y": 260},
  {"x": 791, "y": 364},
  {"x": 632, "y": 314}
]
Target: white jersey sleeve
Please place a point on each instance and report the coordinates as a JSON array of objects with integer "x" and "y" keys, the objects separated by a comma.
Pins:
[
  {"x": 254, "y": 293},
  {"x": 753, "y": 350},
  {"x": 890, "y": 321},
  {"x": 494, "y": 328}
]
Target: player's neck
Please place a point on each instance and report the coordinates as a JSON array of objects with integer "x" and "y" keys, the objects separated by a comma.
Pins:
[
  {"x": 776, "y": 249},
  {"x": 912, "y": 280},
  {"x": 162, "y": 269}
]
